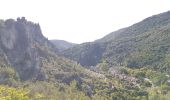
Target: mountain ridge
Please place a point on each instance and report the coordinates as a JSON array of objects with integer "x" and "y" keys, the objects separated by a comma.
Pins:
[
  {"x": 62, "y": 44},
  {"x": 155, "y": 18},
  {"x": 119, "y": 46}
]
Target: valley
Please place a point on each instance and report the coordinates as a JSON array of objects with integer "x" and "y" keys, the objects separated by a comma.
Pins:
[{"x": 132, "y": 63}]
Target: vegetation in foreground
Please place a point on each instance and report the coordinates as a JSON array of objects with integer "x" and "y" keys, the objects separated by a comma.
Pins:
[{"x": 120, "y": 84}]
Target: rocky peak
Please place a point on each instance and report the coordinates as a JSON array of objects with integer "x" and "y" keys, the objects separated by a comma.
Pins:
[{"x": 23, "y": 44}]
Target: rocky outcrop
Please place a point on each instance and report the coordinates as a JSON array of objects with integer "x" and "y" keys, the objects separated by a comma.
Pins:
[{"x": 22, "y": 45}]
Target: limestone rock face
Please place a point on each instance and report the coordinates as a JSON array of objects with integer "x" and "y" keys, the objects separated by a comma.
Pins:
[{"x": 22, "y": 44}]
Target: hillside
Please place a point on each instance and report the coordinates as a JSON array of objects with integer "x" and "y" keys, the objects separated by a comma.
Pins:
[
  {"x": 145, "y": 43},
  {"x": 32, "y": 68},
  {"x": 62, "y": 45},
  {"x": 87, "y": 54},
  {"x": 145, "y": 25}
]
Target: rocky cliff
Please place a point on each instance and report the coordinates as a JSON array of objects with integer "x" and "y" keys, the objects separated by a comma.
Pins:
[{"x": 22, "y": 46}]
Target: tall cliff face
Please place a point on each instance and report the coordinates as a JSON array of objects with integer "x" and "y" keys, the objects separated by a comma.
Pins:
[{"x": 22, "y": 45}]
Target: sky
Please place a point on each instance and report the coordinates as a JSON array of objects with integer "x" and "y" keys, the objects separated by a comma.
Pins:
[{"x": 81, "y": 21}]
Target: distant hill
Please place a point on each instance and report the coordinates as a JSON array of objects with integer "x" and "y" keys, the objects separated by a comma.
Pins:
[
  {"x": 143, "y": 44},
  {"x": 62, "y": 45}
]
